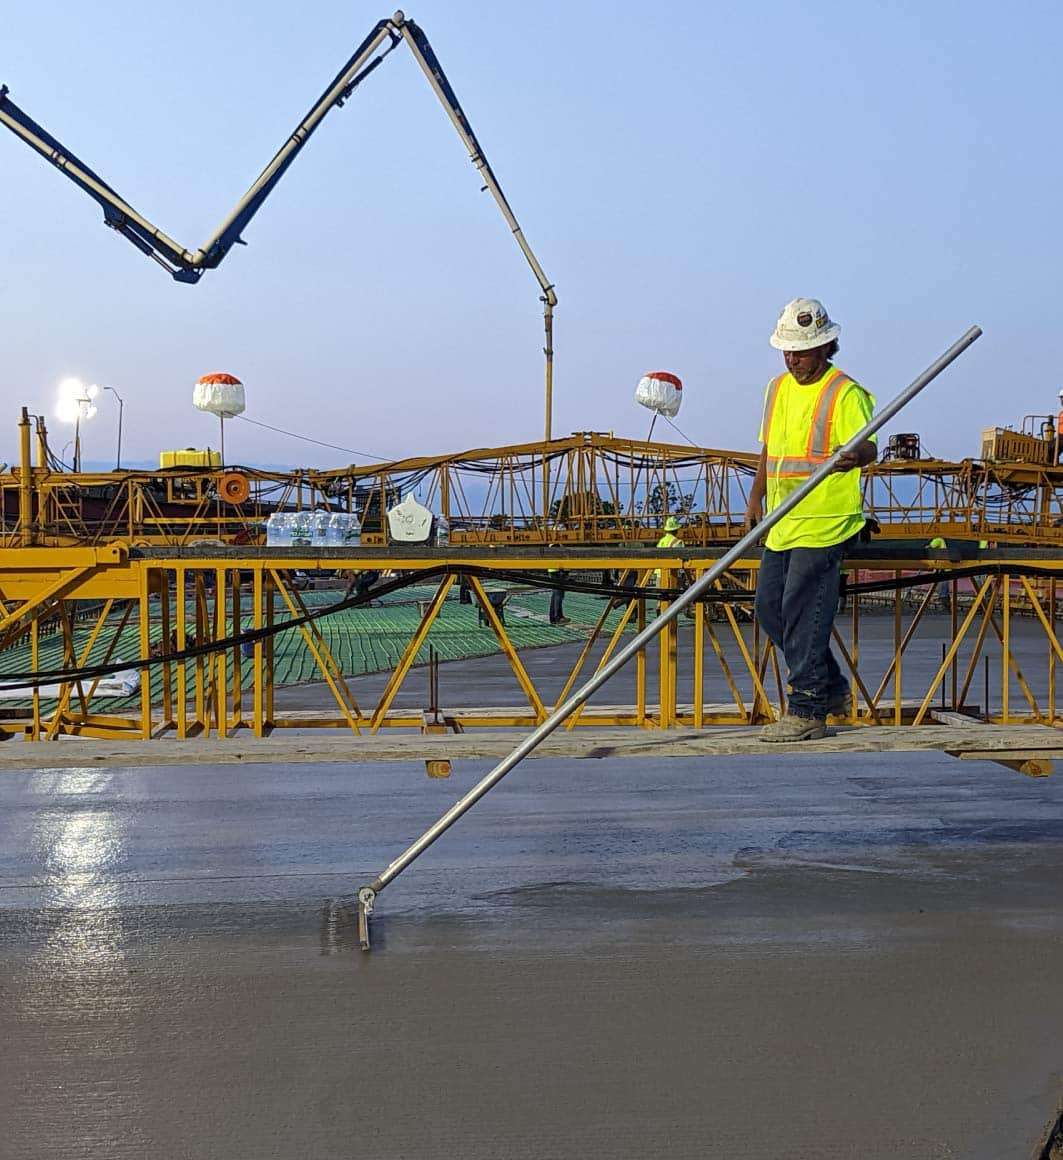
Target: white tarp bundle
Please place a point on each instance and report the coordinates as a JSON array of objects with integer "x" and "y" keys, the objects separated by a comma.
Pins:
[
  {"x": 661, "y": 392},
  {"x": 121, "y": 684}
]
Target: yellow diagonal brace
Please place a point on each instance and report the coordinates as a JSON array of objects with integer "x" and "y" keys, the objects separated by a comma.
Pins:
[
  {"x": 410, "y": 653},
  {"x": 59, "y": 585},
  {"x": 1013, "y": 664},
  {"x": 515, "y": 664},
  {"x": 758, "y": 687},
  {"x": 927, "y": 597},
  {"x": 318, "y": 656},
  {"x": 326, "y": 652},
  {"x": 80, "y": 662},
  {"x": 1035, "y": 602},
  {"x": 856, "y": 676},
  {"x": 614, "y": 640},
  {"x": 976, "y": 652},
  {"x": 953, "y": 649}
]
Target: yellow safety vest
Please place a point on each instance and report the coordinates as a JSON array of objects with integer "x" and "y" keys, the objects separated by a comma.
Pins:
[
  {"x": 801, "y": 430},
  {"x": 666, "y": 541}
]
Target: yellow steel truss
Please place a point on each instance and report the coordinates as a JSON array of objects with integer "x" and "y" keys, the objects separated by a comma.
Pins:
[
  {"x": 190, "y": 612},
  {"x": 589, "y": 488}
]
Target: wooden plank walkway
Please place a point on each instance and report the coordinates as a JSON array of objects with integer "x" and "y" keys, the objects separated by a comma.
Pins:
[{"x": 1005, "y": 743}]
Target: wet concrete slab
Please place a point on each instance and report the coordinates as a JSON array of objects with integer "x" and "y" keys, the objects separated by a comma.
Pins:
[{"x": 824, "y": 956}]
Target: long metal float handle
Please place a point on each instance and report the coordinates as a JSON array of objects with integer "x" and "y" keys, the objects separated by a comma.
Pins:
[{"x": 367, "y": 894}]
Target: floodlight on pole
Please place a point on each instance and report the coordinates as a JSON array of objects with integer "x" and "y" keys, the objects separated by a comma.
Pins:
[
  {"x": 75, "y": 403},
  {"x": 121, "y": 407}
]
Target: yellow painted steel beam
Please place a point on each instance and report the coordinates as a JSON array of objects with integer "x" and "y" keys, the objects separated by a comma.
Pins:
[
  {"x": 325, "y": 661},
  {"x": 410, "y": 654},
  {"x": 989, "y": 616},
  {"x": 988, "y": 588},
  {"x": 68, "y": 687},
  {"x": 633, "y": 608},
  {"x": 510, "y": 653}
]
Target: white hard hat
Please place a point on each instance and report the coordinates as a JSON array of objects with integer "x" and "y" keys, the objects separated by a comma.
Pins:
[{"x": 804, "y": 324}]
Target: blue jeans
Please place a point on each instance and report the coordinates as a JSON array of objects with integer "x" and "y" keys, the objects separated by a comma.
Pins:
[
  {"x": 797, "y": 596},
  {"x": 557, "y": 597}
]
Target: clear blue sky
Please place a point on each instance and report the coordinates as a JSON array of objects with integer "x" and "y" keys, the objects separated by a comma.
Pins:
[{"x": 680, "y": 170}]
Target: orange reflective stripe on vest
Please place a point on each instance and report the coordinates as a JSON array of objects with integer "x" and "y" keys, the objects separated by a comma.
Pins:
[
  {"x": 769, "y": 406},
  {"x": 818, "y": 447}
]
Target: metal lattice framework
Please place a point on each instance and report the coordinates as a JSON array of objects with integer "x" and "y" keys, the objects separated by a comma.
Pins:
[
  {"x": 586, "y": 489},
  {"x": 187, "y": 616}
]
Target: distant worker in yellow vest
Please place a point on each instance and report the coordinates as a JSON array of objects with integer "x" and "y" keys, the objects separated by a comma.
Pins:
[
  {"x": 809, "y": 412},
  {"x": 668, "y": 540},
  {"x": 941, "y": 588}
]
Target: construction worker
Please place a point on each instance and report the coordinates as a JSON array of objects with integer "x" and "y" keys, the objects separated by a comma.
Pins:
[
  {"x": 557, "y": 593},
  {"x": 557, "y": 596},
  {"x": 669, "y": 540},
  {"x": 1059, "y": 429},
  {"x": 941, "y": 588},
  {"x": 809, "y": 412},
  {"x": 359, "y": 583}
]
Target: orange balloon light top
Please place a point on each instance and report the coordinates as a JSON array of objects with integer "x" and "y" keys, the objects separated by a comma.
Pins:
[
  {"x": 666, "y": 377},
  {"x": 221, "y": 377}
]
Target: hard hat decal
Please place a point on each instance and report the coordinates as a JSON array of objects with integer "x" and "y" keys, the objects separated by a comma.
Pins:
[{"x": 803, "y": 324}]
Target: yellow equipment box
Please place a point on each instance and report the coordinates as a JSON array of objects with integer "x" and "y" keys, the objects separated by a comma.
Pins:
[
  {"x": 190, "y": 457},
  {"x": 1001, "y": 444}
]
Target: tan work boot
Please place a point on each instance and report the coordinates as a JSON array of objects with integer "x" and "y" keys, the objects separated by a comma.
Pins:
[{"x": 794, "y": 728}]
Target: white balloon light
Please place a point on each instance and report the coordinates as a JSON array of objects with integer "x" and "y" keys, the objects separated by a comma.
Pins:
[
  {"x": 219, "y": 394},
  {"x": 661, "y": 393},
  {"x": 222, "y": 395}
]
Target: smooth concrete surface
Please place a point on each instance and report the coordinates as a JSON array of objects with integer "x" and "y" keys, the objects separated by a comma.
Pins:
[{"x": 799, "y": 956}]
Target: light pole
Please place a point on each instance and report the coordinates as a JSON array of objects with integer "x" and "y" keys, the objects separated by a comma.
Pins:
[
  {"x": 121, "y": 407},
  {"x": 85, "y": 410},
  {"x": 76, "y": 403}
]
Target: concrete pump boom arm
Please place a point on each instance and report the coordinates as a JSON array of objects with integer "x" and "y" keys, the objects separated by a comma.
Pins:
[{"x": 188, "y": 265}]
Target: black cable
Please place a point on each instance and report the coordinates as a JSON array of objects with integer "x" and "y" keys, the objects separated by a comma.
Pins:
[
  {"x": 307, "y": 439},
  {"x": 619, "y": 593},
  {"x": 221, "y": 644}
]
